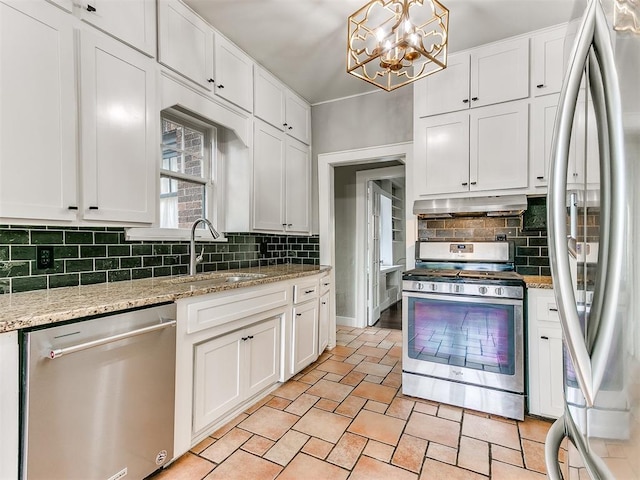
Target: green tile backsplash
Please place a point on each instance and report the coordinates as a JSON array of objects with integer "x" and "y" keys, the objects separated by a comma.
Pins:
[{"x": 88, "y": 255}]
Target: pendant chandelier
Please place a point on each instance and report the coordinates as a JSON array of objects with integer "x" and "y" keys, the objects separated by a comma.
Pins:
[{"x": 392, "y": 43}]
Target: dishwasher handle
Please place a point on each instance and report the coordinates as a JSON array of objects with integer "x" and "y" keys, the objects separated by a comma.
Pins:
[{"x": 53, "y": 354}]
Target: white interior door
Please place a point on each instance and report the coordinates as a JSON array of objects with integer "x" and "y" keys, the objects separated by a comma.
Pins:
[{"x": 374, "y": 192}]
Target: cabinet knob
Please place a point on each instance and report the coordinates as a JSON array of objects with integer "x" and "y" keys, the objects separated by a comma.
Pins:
[
  {"x": 473, "y": 183},
  {"x": 250, "y": 337},
  {"x": 244, "y": 339},
  {"x": 211, "y": 80},
  {"x": 72, "y": 207},
  {"x": 289, "y": 224},
  {"x": 464, "y": 184},
  {"x": 93, "y": 207},
  {"x": 290, "y": 128},
  {"x": 324, "y": 303},
  {"x": 540, "y": 86},
  {"x": 220, "y": 86},
  {"x": 544, "y": 337},
  {"x": 466, "y": 100},
  {"x": 540, "y": 178},
  {"x": 91, "y": 8},
  {"x": 474, "y": 99},
  {"x": 298, "y": 314}
]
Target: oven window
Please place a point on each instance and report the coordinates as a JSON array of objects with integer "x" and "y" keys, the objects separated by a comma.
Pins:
[{"x": 464, "y": 334}]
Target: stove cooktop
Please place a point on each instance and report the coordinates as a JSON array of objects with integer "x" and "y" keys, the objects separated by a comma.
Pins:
[{"x": 431, "y": 273}]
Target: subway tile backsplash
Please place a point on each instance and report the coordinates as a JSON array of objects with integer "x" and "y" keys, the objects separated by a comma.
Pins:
[{"x": 87, "y": 255}]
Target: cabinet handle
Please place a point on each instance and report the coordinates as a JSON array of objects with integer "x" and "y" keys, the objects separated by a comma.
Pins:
[
  {"x": 244, "y": 339},
  {"x": 220, "y": 86},
  {"x": 250, "y": 337},
  {"x": 211, "y": 80},
  {"x": 553, "y": 309},
  {"x": 298, "y": 314},
  {"x": 289, "y": 224},
  {"x": 284, "y": 224},
  {"x": 308, "y": 291},
  {"x": 540, "y": 178},
  {"x": 91, "y": 8},
  {"x": 72, "y": 207},
  {"x": 290, "y": 128},
  {"x": 474, "y": 98},
  {"x": 326, "y": 284},
  {"x": 544, "y": 337},
  {"x": 466, "y": 100},
  {"x": 93, "y": 207},
  {"x": 473, "y": 183},
  {"x": 285, "y": 124},
  {"x": 464, "y": 184},
  {"x": 540, "y": 86}
]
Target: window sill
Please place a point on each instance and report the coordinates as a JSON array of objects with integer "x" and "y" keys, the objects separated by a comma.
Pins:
[{"x": 137, "y": 234}]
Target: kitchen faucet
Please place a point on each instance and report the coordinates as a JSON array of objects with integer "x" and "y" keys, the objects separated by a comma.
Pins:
[{"x": 193, "y": 260}]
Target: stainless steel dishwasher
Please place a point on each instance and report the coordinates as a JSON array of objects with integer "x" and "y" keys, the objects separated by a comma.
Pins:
[{"x": 98, "y": 397}]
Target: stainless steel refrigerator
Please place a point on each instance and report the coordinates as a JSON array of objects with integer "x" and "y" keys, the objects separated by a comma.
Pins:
[{"x": 594, "y": 238}]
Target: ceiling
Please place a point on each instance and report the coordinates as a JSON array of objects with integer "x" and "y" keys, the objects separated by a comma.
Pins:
[{"x": 303, "y": 42}]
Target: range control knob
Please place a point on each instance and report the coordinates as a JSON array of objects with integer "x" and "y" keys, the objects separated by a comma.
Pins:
[
  {"x": 482, "y": 290},
  {"x": 419, "y": 286},
  {"x": 498, "y": 290},
  {"x": 457, "y": 288},
  {"x": 434, "y": 287}
]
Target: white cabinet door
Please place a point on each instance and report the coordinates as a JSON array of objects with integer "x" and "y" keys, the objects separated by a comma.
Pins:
[
  {"x": 269, "y": 97},
  {"x": 185, "y": 42},
  {"x": 217, "y": 382},
  {"x": 500, "y": 72},
  {"x": 132, "y": 21},
  {"x": 551, "y": 372},
  {"x": 323, "y": 321},
  {"x": 499, "y": 147},
  {"x": 37, "y": 112},
  {"x": 442, "y": 154},
  {"x": 262, "y": 356},
  {"x": 548, "y": 61},
  {"x": 587, "y": 157},
  {"x": 444, "y": 91},
  {"x": 268, "y": 178},
  {"x": 298, "y": 118},
  {"x": 304, "y": 335},
  {"x": 233, "y": 74},
  {"x": 119, "y": 131},
  {"x": 297, "y": 187}
]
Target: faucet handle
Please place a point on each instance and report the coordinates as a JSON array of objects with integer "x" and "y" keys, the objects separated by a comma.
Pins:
[{"x": 200, "y": 257}]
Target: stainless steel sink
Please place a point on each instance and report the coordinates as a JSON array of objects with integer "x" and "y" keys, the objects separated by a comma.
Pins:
[{"x": 216, "y": 278}]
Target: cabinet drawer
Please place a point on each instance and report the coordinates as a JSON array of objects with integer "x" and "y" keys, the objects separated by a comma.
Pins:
[
  {"x": 546, "y": 309},
  {"x": 305, "y": 290},
  {"x": 325, "y": 284},
  {"x": 221, "y": 308}
]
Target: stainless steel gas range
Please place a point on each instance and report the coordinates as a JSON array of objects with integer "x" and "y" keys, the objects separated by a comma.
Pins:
[{"x": 462, "y": 327}]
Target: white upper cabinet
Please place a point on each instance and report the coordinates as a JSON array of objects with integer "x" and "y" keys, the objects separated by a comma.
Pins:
[
  {"x": 132, "y": 21},
  {"x": 492, "y": 74},
  {"x": 119, "y": 131},
  {"x": 548, "y": 61},
  {"x": 37, "y": 112},
  {"x": 277, "y": 105},
  {"x": 185, "y": 43},
  {"x": 297, "y": 187},
  {"x": 269, "y": 98},
  {"x": 233, "y": 74}
]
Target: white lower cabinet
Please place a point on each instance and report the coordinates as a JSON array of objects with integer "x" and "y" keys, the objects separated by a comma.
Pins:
[
  {"x": 545, "y": 364},
  {"x": 304, "y": 335},
  {"x": 233, "y": 367},
  {"x": 9, "y": 401}
]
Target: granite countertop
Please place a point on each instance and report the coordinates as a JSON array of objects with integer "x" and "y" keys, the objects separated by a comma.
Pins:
[
  {"x": 537, "y": 281},
  {"x": 41, "y": 307}
]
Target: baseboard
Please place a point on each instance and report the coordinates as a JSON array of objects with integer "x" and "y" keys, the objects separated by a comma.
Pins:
[{"x": 346, "y": 321}]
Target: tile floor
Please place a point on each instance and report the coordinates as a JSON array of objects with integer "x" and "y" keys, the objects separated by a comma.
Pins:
[{"x": 345, "y": 417}]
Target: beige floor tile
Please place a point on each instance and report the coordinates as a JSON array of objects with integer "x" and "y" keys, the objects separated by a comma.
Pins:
[
  {"x": 534, "y": 456},
  {"x": 369, "y": 468},
  {"x": 269, "y": 422},
  {"x": 504, "y": 471},
  {"x": 325, "y": 425},
  {"x": 353, "y": 378},
  {"x": 410, "y": 453},
  {"x": 338, "y": 358},
  {"x": 491, "y": 430},
  {"x": 187, "y": 467},
  {"x": 333, "y": 377},
  {"x": 372, "y": 391},
  {"x": 426, "y": 408},
  {"x": 434, "y": 470},
  {"x": 373, "y": 379},
  {"x": 302, "y": 404},
  {"x": 318, "y": 448},
  {"x": 393, "y": 380},
  {"x": 376, "y": 406},
  {"x": 351, "y": 406},
  {"x": 450, "y": 412},
  {"x": 434, "y": 429},
  {"x": 244, "y": 466},
  {"x": 473, "y": 455},
  {"x": 534, "y": 429},
  {"x": 372, "y": 352},
  {"x": 225, "y": 446},
  {"x": 291, "y": 390},
  {"x": 343, "y": 351},
  {"x": 373, "y": 369},
  {"x": 286, "y": 448},
  {"x": 355, "y": 359},
  {"x": 258, "y": 445},
  {"x": 347, "y": 450},
  {"x": 310, "y": 468},
  {"x": 506, "y": 455},
  {"x": 312, "y": 377},
  {"x": 333, "y": 366},
  {"x": 377, "y": 427},
  {"x": 279, "y": 403},
  {"x": 378, "y": 450},
  {"x": 326, "y": 404},
  {"x": 257, "y": 405},
  {"x": 442, "y": 453},
  {"x": 400, "y": 408},
  {"x": 202, "y": 445},
  {"x": 331, "y": 390},
  {"x": 396, "y": 351},
  {"x": 222, "y": 431}
]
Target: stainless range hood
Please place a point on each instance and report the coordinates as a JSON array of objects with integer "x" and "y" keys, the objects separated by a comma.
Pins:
[{"x": 494, "y": 206}]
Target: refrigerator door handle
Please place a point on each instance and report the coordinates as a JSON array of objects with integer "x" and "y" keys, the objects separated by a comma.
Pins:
[
  {"x": 558, "y": 245},
  {"x": 552, "y": 443}
]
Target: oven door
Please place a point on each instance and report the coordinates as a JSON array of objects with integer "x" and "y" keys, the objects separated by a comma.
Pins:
[{"x": 471, "y": 340}]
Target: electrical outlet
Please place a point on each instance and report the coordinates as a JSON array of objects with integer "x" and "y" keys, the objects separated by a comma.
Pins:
[
  {"x": 44, "y": 257},
  {"x": 501, "y": 237}
]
